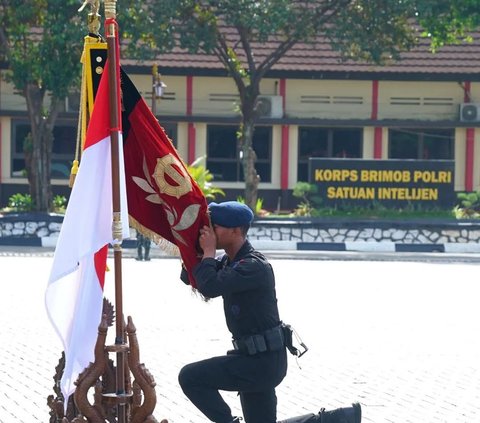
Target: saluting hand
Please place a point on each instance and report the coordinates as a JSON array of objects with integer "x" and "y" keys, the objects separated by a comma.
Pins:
[{"x": 208, "y": 241}]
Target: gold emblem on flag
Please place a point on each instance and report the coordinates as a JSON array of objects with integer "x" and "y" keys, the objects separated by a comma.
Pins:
[
  {"x": 171, "y": 166},
  {"x": 187, "y": 217}
]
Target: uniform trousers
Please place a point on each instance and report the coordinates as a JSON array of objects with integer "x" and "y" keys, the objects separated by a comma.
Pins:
[{"x": 254, "y": 377}]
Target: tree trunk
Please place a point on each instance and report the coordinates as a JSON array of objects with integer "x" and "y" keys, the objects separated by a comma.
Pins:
[
  {"x": 248, "y": 95},
  {"x": 38, "y": 151},
  {"x": 249, "y": 158}
]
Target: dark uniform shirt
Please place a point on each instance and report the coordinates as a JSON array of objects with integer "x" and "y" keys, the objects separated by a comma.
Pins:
[{"x": 247, "y": 285}]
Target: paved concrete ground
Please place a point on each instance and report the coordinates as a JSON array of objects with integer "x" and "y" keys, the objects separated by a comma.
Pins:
[{"x": 401, "y": 338}]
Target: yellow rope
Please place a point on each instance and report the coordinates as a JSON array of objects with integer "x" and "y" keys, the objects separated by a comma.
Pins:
[
  {"x": 86, "y": 101},
  {"x": 81, "y": 123}
]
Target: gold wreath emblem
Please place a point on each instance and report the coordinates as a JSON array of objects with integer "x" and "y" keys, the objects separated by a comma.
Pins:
[
  {"x": 178, "y": 222},
  {"x": 165, "y": 166}
]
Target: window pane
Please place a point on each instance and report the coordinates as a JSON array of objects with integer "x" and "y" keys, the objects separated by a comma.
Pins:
[
  {"x": 223, "y": 171},
  {"x": 61, "y": 168},
  {"x": 18, "y": 168},
  {"x": 403, "y": 145},
  {"x": 21, "y": 131},
  {"x": 347, "y": 143},
  {"x": 171, "y": 130},
  {"x": 438, "y": 145},
  {"x": 64, "y": 140},
  {"x": 428, "y": 144},
  {"x": 312, "y": 142},
  {"x": 223, "y": 159},
  {"x": 326, "y": 142},
  {"x": 262, "y": 141},
  {"x": 222, "y": 141},
  {"x": 63, "y": 148},
  {"x": 264, "y": 171}
]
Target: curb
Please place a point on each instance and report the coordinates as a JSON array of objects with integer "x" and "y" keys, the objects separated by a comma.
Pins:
[
  {"x": 354, "y": 246},
  {"x": 363, "y": 246}
]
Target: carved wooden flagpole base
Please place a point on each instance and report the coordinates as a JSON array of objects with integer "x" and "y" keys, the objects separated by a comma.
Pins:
[{"x": 139, "y": 397}]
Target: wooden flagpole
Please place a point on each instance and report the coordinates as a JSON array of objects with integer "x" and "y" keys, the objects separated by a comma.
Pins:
[{"x": 114, "y": 100}]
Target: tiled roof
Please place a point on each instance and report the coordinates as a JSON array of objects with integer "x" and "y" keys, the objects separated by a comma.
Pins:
[{"x": 319, "y": 58}]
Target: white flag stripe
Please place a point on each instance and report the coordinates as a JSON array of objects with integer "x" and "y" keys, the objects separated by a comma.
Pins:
[
  {"x": 87, "y": 225},
  {"x": 79, "y": 345},
  {"x": 74, "y": 294}
]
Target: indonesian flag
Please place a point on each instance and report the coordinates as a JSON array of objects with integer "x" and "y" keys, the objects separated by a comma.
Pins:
[
  {"x": 164, "y": 201},
  {"x": 74, "y": 295}
]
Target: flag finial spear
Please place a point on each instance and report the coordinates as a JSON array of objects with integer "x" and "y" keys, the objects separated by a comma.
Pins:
[{"x": 93, "y": 20}]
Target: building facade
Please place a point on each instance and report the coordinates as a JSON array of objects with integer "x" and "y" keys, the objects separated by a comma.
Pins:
[{"x": 424, "y": 107}]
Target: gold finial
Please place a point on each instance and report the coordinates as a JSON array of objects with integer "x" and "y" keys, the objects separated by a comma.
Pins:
[
  {"x": 110, "y": 9},
  {"x": 93, "y": 19}
]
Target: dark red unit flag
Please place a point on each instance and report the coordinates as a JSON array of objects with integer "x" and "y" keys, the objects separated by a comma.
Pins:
[{"x": 164, "y": 202}]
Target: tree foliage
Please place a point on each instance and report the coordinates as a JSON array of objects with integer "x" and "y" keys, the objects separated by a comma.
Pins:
[
  {"x": 41, "y": 43},
  {"x": 376, "y": 31},
  {"x": 447, "y": 22}
]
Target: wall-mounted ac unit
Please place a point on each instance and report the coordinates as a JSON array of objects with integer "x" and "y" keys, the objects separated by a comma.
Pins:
[
  {"x": 470, "y": 112},
  {"x": 270, "y": 106}
]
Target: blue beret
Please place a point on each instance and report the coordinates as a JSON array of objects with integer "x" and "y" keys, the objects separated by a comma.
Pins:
[{"x": 230, "y": 214}]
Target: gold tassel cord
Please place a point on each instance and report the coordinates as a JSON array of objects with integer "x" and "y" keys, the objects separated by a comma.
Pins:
[
  {"x": 87, "y": 96},
  {"x": 80, "y": 133}
]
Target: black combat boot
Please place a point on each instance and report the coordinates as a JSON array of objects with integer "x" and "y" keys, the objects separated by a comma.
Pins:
[
  {"x": 305, "y": 418},
  {"x": 351, "y": 414}
]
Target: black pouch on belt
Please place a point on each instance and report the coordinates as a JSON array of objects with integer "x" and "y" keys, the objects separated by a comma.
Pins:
[
  {"x": 275, "y": 339},
  {"x": 249, "y": 345},
  {"x": 259, "y": 342}
]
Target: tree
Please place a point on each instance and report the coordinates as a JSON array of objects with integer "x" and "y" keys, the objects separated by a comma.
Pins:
[
  {"x": 41, "y": 42},
  {"x": 372, "y": 30}
]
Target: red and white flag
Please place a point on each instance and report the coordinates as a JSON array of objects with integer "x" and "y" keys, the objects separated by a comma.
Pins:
[{"x": 74, "y": 295}]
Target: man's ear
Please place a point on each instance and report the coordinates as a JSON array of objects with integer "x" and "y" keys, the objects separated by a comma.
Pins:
[{"x": 237, "y": 231}]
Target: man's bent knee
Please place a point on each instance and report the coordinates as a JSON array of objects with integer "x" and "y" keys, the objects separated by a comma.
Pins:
[{"x": 186, "y": 377}]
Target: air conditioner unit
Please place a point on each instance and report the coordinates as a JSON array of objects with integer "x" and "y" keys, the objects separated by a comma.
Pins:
[
  {"x": 470, "y": 112},
  {"x": 270, "y": 106}
]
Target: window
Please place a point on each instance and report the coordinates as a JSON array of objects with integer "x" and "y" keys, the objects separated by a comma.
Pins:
[
  {"x": 326, "y": 142},
  {"x": 223, "y": 155},
  {"x": 63, "y": 148},
  {"x": 171, "y": 131},
  {"x": 421, "y": 144}
]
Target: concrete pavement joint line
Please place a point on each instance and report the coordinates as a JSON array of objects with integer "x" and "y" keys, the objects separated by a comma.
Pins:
[
  {"x": 360, "y": 246},
  {"x": 320, "y": 255}
]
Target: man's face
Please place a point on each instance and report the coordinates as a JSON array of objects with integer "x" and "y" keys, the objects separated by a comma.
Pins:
[{"x": 224, "y": 235}]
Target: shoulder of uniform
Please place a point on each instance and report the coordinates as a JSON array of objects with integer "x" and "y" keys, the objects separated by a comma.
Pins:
[{"x": 251, "y": 259}]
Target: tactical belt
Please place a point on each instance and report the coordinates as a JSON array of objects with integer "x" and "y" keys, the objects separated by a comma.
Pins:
[{"x": 270, "y": 340}]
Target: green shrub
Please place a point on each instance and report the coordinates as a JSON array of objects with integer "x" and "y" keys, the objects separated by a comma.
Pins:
[
  {"x": 309, "y": 198},
  {"x": 469, "y": 206},
  {"x": 20, "y": 202},
  {"x": 259, "y": 211},
  {"x": 202, "y": 176},
  {"x": 59, "y": 204}
]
